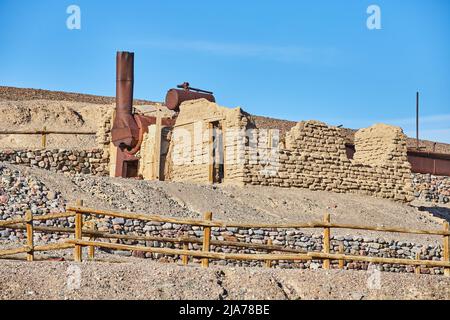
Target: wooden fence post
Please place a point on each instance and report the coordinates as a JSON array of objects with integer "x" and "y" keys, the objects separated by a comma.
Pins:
[
  {"x": 44, "y": 138},
  {"x": 185, "y": 258},
  {"x": 417, "y": 267},
  {"x": 206, "y": 239},
  {"x": 29, "y": 227},
  {"x": 269, "y": 262},
  {"x": 326, "y": 241},
  {"x": 341, "y": 261},
  {"x": 78, "y": 250},
  {"x": 446, "y": 249}
]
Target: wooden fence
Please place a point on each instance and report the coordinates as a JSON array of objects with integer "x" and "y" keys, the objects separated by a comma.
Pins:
[
  {"x": 275, "y": 252},
  {"x": 44, "y": 133}
]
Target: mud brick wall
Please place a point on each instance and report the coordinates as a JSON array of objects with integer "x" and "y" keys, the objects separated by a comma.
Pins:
[
  {"x": 189, "y": 150},
  {"x": 147, "y": 155},
  {"x": 315, "y": 158}
]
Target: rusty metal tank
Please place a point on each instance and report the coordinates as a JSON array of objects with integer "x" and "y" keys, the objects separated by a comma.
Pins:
[{"x": 175, "y": 97}]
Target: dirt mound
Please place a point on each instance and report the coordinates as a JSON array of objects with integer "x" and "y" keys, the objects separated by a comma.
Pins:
[
  {"x": 53, "y": 115},
  {"x": 39, "y": 113},
  {"x": 20, "y": 94}
]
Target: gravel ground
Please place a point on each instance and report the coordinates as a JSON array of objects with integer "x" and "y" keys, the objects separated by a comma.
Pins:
[{"x": 138, "y": 279}]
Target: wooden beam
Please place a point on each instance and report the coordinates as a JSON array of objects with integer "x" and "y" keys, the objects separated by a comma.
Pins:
[
  {"x": 9, "y": 252},
  {"x": 29, "y": 227},
  {"x": 11, "y": 222},
  {"x": 44, "y": 138},
  {"x": 78, "y": 250},
  {"x": 206, "y": 239},
  {"x": 198, "y": 254},
  {"x": 54, "y": 246},
  {"x": 417, "y": 267},
  {"x": 446, "y": 248},
  {"x": 105, "y": 235},
  {"x": 333, "y": 256},
  {"x": 54, "y": 216},
  {"x": 216, "y": 223},
  {"x": 41, "y": 132},
  {"x": 185, "y": 258},
  {"x": 326, "y": 241}
]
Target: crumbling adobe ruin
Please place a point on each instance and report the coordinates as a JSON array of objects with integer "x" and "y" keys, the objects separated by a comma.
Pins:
[
  {"x": 206, "y": 143},
  {"x": 214, "y": 144},
  {"x": 191, "y": 138}
]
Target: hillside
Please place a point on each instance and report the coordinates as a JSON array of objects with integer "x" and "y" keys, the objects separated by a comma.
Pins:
[{"x": 24, "y": 94}]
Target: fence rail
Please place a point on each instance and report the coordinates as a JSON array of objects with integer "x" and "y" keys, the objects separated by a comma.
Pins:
[
  {"x": 44, "y": 133},
  {"x": 274, "y": 252}
]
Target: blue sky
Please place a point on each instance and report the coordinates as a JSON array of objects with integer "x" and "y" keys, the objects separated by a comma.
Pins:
[{"x": 294, "y": 60}]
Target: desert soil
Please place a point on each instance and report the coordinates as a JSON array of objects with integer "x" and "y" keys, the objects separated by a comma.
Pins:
[{"x": 138, "y": 279}]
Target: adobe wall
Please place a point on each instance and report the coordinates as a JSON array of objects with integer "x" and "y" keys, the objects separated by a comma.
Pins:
[
  {"x": 314, "y": 157},
  {"x": 189, "y": 151},
  {"x": 147, "y": 164}
]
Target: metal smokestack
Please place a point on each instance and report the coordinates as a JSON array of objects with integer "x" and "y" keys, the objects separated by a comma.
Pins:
[{"x": 125, "y": 131}]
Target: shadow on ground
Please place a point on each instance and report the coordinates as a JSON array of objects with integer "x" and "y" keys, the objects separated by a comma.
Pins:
[{"x": 438, "y": 212}]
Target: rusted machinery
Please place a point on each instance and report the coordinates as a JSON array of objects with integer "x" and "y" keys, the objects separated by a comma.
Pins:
[
  {"x": 128, "y": 128},
  {"x": 175, "y": 97}
]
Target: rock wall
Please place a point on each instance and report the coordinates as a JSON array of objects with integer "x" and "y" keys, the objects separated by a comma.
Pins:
[
  {"x": 315, "y": 158},
  {"x": 60, "y": 160},
  {"x": 431, "y": 188}
]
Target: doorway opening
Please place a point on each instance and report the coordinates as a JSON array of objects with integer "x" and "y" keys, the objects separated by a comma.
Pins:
[{"x": 217, "y": 153}]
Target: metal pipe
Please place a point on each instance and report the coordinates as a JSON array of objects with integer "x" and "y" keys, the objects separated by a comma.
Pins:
[{"x": 125, "y": 131}]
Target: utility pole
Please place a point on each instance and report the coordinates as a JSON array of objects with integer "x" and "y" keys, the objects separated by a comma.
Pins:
[{"x": 417, "y": 119}]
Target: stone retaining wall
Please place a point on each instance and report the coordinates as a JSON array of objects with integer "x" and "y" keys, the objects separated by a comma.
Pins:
[
  {"x": 431, "y": 188},
  {"x": 60, "y": 160}
]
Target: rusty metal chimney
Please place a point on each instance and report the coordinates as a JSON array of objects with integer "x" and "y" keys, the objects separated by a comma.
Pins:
[{"x": 125, "y": 131}]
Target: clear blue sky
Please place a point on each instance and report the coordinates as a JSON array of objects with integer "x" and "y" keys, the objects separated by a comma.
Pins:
[{"x": 294, "y": 59}]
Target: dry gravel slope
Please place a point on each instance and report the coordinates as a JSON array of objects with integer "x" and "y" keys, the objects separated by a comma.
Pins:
[
  {"x": 250, "y": 204},
  {"x": 151, "y": 280}
]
